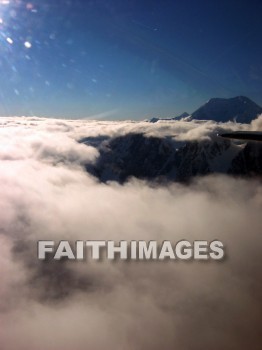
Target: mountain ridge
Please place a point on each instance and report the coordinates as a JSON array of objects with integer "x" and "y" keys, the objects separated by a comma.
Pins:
[
  {"x": 240, "y": 109},
  {"x": 168, "y": 160}
]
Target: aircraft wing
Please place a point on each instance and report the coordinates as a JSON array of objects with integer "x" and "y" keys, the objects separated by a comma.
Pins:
[{"x": 244, "y": 135}]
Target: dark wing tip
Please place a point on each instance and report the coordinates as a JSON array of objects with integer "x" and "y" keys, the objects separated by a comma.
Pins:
[{"x": 243, "y": 135}]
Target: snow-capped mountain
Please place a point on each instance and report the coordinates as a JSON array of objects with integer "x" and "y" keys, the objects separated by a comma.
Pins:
[
  {"x": 165, "y": 159},
  {"x": 240, "y": 109}
]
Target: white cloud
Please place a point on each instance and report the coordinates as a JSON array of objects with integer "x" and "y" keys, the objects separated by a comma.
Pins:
[
  {"x": 46, "y": 194},
  {"x": 256, "y": 125}
]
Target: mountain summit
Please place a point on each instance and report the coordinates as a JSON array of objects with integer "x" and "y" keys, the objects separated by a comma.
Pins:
[{"x": 239, "y": 108}]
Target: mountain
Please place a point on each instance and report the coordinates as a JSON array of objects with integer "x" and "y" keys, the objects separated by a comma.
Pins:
[
  {"x": 240, "y": 109},
  {"x": 167, "y": 160},
  {"x": 164, "y": 159},
  {"x": 179, "y": 117},
  {"x": 248, "y": 161}
]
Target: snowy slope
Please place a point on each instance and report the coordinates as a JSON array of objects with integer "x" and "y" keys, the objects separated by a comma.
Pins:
[{"x": 165, "y": 159}]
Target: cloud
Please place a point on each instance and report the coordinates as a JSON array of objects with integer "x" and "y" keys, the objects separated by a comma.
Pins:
[
  {"x": 47, "y": 194},
  {"x": 256, "y": 125}
]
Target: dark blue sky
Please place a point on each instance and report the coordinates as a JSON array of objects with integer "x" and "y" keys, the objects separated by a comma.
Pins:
[{"x": 126, "y": 59}]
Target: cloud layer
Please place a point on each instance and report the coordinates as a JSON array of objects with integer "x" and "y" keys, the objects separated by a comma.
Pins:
[{"x": 47, "y": 194}]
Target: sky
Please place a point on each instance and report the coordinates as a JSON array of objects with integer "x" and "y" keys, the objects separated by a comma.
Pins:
[{"x": 126, "y": 59}]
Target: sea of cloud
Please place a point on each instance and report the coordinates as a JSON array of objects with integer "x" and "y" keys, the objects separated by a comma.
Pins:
[{"x": 47, "y": 194}]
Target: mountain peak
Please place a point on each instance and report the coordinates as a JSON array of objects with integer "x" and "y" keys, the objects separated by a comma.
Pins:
[{"x": 239, "y": 108}]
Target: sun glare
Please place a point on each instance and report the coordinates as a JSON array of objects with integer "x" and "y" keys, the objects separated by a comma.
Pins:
[{"x": 12, "y": 25}]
